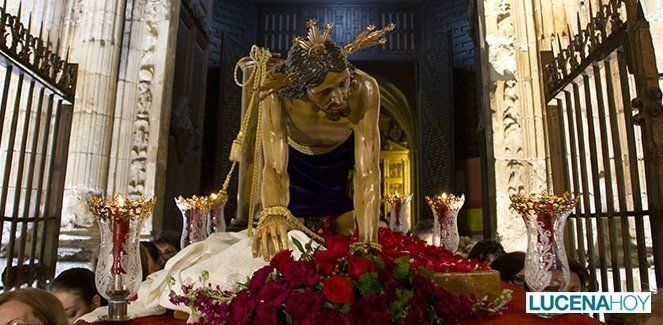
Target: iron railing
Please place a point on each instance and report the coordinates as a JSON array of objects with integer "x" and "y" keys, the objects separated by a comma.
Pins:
[
  {"x": 597, "y": 150},
  {"x": 36, "y": 106}
]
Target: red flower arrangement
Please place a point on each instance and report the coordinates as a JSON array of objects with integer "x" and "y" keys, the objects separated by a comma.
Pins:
[{"x": 344, "y": 285}]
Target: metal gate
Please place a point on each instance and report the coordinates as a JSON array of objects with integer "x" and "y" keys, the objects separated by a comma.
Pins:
[
  {"x": 602, "y": 145},
  {"x": 36, "y": 107}
]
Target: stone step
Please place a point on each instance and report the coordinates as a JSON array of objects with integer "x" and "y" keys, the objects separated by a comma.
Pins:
[{"x": 78, "y": 244}]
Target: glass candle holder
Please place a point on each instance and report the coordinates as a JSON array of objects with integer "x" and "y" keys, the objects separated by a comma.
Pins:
[
  {"x": 445, "y": 209},
  {"x": 195, "y": 216},
  {"x": 546, "y": 263},
  {"x": 398, "y": 215},
  {"x": 217, "y": 221},
  {"x": 118, "y": 274}
]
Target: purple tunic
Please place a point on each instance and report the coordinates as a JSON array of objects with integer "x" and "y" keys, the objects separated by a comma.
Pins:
[{"x": 319, "y": 183}]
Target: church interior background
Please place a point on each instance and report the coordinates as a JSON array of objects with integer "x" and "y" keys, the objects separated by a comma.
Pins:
[{"x": 468, "y": 105}]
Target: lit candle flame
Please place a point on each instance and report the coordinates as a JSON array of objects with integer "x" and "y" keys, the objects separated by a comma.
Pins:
[{"x": 120, "y": 200}]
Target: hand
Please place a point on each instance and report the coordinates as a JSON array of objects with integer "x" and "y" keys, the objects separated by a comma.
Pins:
[{"x": 274, "y": 229}]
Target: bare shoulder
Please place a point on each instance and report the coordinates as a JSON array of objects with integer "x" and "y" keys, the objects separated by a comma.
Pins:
[
  {"x": 366, "y": 95},
  {"x": 365, "y": 82}
]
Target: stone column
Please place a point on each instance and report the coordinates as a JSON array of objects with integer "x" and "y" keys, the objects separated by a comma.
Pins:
[
  {"x": 43, "y": 12},
  {"x": 93, "y": 29},
  {"x": 142, "y": 113},
  {"x": 513, "y": 111}
]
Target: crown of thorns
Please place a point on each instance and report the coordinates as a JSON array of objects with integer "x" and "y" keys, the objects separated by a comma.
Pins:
[{"x": 314, "y": 44}]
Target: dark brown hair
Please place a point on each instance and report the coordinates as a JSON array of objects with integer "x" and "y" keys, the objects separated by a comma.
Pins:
[
  {"x": 45, "y": 306},
  {"x": 78, "y": 281},
  {"x": 311, "y": 70},
  {"x": 509, "y": 265}
]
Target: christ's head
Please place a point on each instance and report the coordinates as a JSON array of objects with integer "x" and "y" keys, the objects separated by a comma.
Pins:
[{"x": 323, "y": 79}]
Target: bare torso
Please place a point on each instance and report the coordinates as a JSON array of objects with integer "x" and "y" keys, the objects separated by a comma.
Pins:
[
  {"x": 303, "y": 123},
  {"x": 309, "y": 126}
]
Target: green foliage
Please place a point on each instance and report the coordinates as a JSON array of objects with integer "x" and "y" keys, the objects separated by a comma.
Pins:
[
  {"x": 398, "y": 308},
  {"x": 426, "y": 272},
  {"x": 369, "y": 284},
  {"x": 345, "y": 309},
  {"x": 402, "y": 268},
  {"x": 377, "y": 261},
  {"x": 204, "y": 276},
  {"x": 299, "y": 245}
]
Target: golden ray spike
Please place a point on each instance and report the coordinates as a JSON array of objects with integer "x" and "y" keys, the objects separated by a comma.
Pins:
[
  {"x": 368, "y": 37},
  {"x": 328, "y": 28},
  {"x": 315, "y": 41}
]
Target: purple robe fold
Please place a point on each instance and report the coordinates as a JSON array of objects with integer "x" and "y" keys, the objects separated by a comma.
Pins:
[{"x": 319, "y": 184}]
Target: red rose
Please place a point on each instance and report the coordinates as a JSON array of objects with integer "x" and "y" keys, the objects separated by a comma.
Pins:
[
  {"x": 337, "y": 246},
  {"x": 358, "y": 265},
  {"x": 281, "y": 260},
  {"x": 325, "y": 264},
  {"x": 338, "y": 289}
]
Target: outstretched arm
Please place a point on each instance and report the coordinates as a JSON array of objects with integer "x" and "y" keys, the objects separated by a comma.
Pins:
[
  {"x": 367, "y": 164},
  {"x": 275, "y": 181}
]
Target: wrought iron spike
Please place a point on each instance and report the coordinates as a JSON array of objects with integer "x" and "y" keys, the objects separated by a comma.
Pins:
[
  {"x": 559, "y": 43},
  {"x": 48, "y": 40},
  {"x": 57, "y": 48}
]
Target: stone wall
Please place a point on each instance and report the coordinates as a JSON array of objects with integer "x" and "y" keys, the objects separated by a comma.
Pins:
[
  {"x": 453, "y": 16},
  {"x": 233, "y": 18},
  {"x": 512, "y": 34},
  {"x": 124, "y": 52},
  {"x": 653, "y": 10},
  {"x": 513, "y": 111}
]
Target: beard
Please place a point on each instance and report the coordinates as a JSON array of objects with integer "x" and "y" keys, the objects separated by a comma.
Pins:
[{"x": 335, "y": 114}]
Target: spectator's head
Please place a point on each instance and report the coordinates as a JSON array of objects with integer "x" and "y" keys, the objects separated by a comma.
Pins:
[
  {"x": 654, "y": 318},
  {"x": 149, "y": 258},
  {"x": 382, "y": 223},
  {"x": 486, "y": 251},
  {"x": 579, "y": 277},
  {"x": 465, "y": 245},
  {"x": 31, "y": 306},
  {"x": 168, "y": 244},
  {"x": 76, "y": 290},
  {"x": 511, "y": 267},
  {"x": 424, "y": 230}
]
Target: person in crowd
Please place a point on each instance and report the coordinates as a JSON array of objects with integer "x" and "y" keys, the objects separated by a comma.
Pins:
[
  {"x": 424, "y": 230},
  {"x": 76, "y": 290},
  {"x": 579, "y": 277},
  {"x": 149, "y": 258},
  {"x": 168, "y": 244},
  {"x": 511, "y": 267},
  {"x": 382, "y": 223},
  {"x": 486, "y": 251},
  {"x": 31, "y": 306},
  {"x": 654, "y": 318},
  {"x": 465, "y": 245}
]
